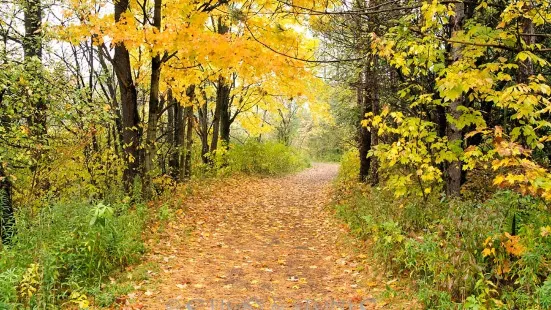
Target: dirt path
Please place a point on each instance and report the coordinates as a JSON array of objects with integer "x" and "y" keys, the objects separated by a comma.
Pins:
[{"x": 264, "y": 243}]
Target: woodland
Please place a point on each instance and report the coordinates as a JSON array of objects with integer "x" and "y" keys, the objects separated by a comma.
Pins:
[{"x": 404, "y": 145}]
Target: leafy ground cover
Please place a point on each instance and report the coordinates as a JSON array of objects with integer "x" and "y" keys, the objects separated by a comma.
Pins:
[{"x": 272, "y": 242}]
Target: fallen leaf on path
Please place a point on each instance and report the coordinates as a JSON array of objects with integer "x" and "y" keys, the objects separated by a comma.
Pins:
[{"x": 271, "y": 238}]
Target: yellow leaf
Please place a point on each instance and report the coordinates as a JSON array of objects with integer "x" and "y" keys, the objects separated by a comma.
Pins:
[{"x": 545, "y": 231}]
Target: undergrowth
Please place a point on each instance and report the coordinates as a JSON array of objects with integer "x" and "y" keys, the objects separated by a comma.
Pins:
[
  {"x": 65, "y": 253},
  {"x": 470, "y": 254},
  {"x": 254, "y": 158}
]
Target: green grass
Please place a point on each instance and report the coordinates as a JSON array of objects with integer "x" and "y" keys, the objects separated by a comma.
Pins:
[{"x": 68, "y": 250}]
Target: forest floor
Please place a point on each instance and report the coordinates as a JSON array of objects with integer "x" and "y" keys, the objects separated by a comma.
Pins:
[{"x": 267, "y": 243}]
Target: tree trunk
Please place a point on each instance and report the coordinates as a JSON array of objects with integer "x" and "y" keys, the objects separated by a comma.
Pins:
[
  {"x": 171, "y": 135},
  {"x": 215, "y": 127},
  {"x": 225, "y": 117},
  {"x": 154, "y": 109},
  {"x": 7, "y": 217},
  {"x": 131, "y": 132},
  {"x": 372, "y": 96},
  {"x": 204, "y": 131},
  {"x": 32, "y": 41},
  {"x": 221, "y": 119},
  {"x": 441, "y": 121},
  {"x": 364, "y": 136},
  {"x": 189, "y": 142},
  {"x": 455, "y": 135},
  {"x": 261, "y": 124},
  {"x": 284, "y": 129},
  {"x": 177, "y": 141},
  {"x": 32, "y": 47},
  {"x": 187, "y": 113},
  {"x": 112, "y": 92},
  {"x": 526, "y": 68}
]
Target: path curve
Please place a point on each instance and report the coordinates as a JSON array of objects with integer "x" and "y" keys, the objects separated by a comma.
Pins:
[{"x": 258, "y": 243}]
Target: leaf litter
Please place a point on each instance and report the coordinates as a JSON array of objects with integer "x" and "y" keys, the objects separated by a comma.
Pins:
[{"x": 267, "y": 243}]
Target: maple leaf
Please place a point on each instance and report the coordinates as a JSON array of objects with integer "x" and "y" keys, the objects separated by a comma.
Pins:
[{"x": 513, "y": 245}]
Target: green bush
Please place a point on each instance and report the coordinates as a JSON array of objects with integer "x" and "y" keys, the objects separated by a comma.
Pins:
[
  {"x": 66, "y": 251},
  {"x": 350, "y": 165},
  {"x": 269, "y": 158},
  {"x": 461, "y": 254}
]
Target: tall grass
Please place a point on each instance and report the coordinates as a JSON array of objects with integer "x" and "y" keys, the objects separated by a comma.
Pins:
[{"x": 67, "y": 251}]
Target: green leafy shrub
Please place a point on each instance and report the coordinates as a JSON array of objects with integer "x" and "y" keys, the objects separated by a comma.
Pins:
[
  {"x": 470, "y": 254},
  {"x": 269, "y": 158},
  {"x": 66, "y": 252},
  {"x": 350, "y": 165}
]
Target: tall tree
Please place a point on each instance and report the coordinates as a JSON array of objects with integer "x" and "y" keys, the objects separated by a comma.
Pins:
[
  {"x": 364, "y": 136},
  {"x": 224, "y": 98},
  {"x": 220, "y": 122},
  {"x": 176, "y": 135},
  {"x": 32, "y": 47},
  {"x": 190, "y": 119},
  {"x": 454, "y": 173},
  {"x": 131, "y": 130},
  {"x": 371, "y": 104},
  {"x": 154, "y": 106},
  {"x": 203, "y": 128}
]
